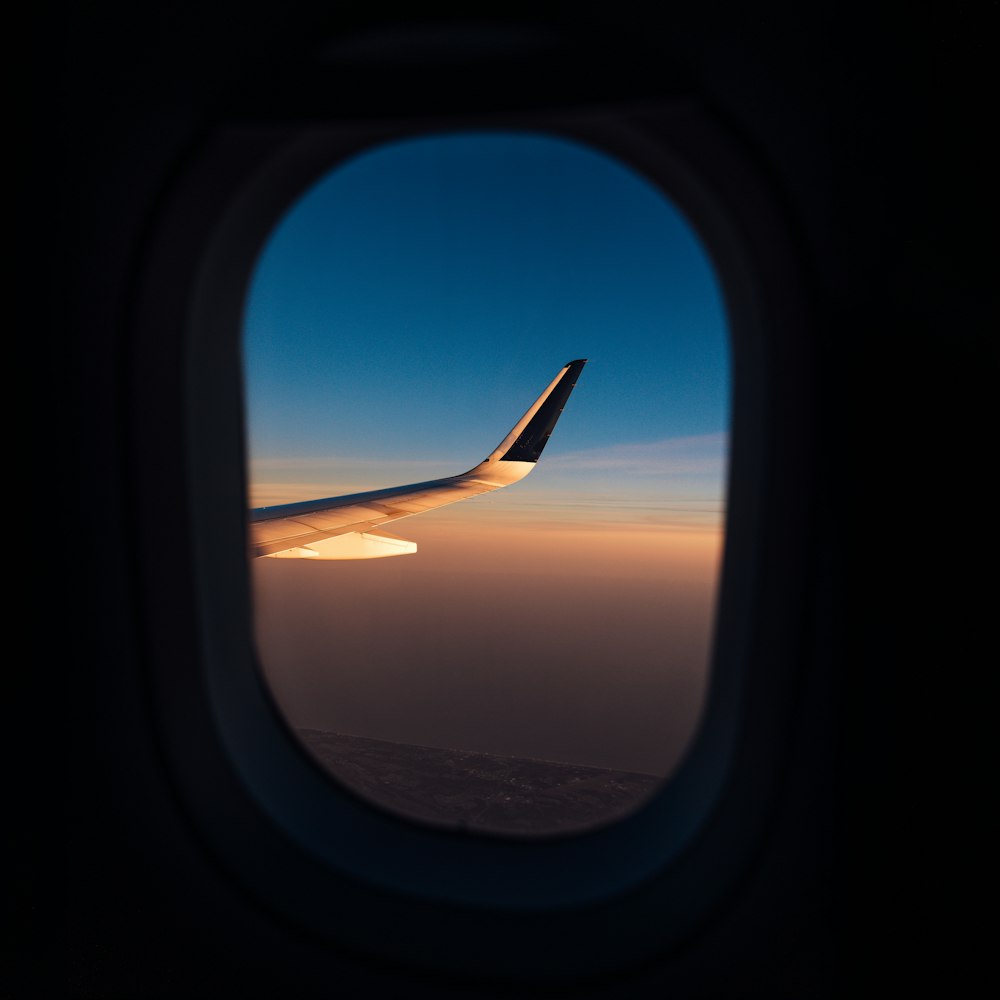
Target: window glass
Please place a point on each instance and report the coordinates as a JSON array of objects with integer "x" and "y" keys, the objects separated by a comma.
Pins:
[{"x": 539, "y": 664}]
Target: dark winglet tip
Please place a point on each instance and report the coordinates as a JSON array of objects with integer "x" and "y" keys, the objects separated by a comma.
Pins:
[{"x": 579, "y": 361}]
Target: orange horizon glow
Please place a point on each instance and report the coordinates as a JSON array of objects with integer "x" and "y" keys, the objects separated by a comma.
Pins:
[{"x": 506, "y": 632}]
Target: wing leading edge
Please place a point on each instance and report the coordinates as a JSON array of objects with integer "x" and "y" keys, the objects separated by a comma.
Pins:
[{"x": 347, "y": 527}]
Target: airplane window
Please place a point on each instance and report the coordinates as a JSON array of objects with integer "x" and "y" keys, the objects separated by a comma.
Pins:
[{"x": 532, "y": 657}]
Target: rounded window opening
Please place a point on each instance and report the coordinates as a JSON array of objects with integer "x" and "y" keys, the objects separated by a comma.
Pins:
[{"x": 535, "y": 658}]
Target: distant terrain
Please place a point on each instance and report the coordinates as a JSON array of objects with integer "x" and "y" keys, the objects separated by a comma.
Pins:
[{"x": 479, "y": 791}]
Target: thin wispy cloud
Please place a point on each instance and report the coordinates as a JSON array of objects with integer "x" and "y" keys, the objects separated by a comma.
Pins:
[
  {"x": 282, "y": 480},
  {"x": 699, "y": 454},
  {"x": 670, "y": 471},
  {"x": 325, "y": 464}
]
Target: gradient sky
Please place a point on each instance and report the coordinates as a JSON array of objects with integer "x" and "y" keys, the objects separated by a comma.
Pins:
[{"x": 405, "y": 312}]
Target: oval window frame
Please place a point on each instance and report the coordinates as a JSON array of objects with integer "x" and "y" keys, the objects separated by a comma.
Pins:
[{"x": 299, "y": 837}]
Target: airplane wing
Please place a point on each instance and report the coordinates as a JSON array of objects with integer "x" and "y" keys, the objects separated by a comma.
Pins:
[{"x": 346, "y": 527}]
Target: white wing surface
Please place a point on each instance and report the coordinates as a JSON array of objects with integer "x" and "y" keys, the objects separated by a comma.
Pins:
[{"x": 347, "y": 527}]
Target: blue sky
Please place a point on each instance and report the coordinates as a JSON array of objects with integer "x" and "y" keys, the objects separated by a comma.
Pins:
[{"x": 413, "y": 302}]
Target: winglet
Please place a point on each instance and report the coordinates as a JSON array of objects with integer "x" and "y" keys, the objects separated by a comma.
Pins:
[
  {"x": 531, "y": 433},
  {"x": 517, "y": 454}
]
